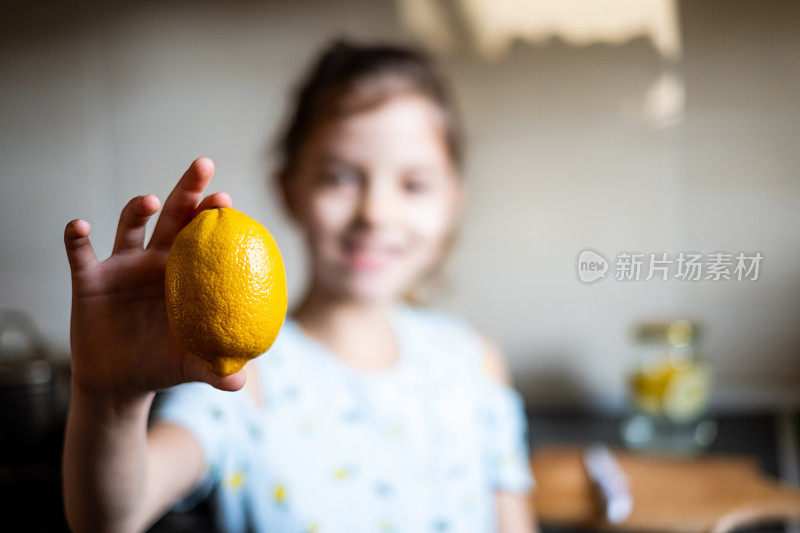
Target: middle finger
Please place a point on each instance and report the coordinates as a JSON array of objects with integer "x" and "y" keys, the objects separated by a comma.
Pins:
[{"x": 179, "y": 206}]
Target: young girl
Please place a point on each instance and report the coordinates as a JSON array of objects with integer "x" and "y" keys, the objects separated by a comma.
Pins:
[{"x": 367, "y": 414}]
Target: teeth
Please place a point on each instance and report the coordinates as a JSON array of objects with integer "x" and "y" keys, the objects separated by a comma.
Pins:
[
  {"x": 370, "y": 249},
  {"x": 371, "y": 254}
]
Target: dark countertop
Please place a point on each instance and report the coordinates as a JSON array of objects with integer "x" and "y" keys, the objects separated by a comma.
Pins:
[{"x": 742, "y": 434}]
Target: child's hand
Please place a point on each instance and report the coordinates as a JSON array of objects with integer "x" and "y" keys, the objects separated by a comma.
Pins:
[{"x": 121, "y": 341}]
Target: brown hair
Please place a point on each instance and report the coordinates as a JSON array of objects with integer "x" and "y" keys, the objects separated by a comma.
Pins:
[{"x": 348, "y": 78}]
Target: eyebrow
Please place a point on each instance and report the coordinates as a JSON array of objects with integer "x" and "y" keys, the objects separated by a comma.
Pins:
[
  {"x": 331, "y": 159},
  {"x": 328, "y": 159}
]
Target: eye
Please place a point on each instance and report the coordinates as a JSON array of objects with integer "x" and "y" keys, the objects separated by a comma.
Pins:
[
  {"x": 340, "y": 177},
  {"x": 415, "y": 186},
  {"x": 416, "y": 183}
]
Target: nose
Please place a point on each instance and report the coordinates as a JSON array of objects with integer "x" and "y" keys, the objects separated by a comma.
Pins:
[{"x": 377, "y": 203}]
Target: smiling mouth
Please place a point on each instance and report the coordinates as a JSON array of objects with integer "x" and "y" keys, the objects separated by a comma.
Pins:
[{"x": 369, "y": 257}]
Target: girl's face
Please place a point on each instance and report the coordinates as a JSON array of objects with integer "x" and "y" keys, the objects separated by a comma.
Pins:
[{"x": 377, "y": 196}]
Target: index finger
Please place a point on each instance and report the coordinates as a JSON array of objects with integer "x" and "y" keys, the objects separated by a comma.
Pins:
[{"x": 179, "y": 206}]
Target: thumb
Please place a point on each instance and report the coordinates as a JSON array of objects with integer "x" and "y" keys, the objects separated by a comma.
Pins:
[{"x": 196, "y": 369}]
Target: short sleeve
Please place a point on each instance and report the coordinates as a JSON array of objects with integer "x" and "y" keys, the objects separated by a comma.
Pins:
[
  {"x": 200, "y": 409},
  {"x": 502, "y": 424},
  {"x": 505, "y": 436}
]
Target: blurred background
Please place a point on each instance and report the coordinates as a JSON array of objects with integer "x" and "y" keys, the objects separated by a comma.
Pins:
[{"x": 617, "y": 125}]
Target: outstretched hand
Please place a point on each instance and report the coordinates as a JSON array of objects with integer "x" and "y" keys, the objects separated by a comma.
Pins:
[{"x": 120, "y": 338}]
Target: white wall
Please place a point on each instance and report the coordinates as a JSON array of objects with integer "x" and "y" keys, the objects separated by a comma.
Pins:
[{"x": 99, "y": 105}]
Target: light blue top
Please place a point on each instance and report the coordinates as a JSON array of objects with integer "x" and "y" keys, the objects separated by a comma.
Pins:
[{"x": 420, "y": 447}]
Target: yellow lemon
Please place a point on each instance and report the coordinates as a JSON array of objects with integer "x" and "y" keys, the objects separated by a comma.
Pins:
[
  {"x": 225, "y": 289},
  {"x": 675, "y": 386},
  {"x": 686, "y": 395},
  {"x": 649, "y": 384}
]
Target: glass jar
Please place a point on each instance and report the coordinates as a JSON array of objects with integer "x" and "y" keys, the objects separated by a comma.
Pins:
[{"x": 669, "y": 386}]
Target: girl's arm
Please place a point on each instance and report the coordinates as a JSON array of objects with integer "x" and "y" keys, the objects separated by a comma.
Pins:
[
  {"x": 515, "y": 513},
  {"x": 117, "y": 477}
]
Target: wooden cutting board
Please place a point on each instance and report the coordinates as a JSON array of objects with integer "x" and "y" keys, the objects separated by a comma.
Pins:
[{"x": 705, "y": 494}]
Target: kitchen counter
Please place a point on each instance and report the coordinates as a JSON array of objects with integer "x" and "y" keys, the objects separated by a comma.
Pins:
[{"x": 761, "y": 435}]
